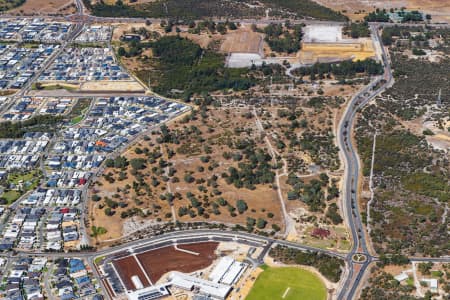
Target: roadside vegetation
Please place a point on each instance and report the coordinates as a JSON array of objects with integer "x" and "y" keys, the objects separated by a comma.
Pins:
[
  {"x": 357, "y": 30},
  {"x": 411, "y": 171},
  {"x": 341, "y": 70},
  {"x": 330, "y": 267}
]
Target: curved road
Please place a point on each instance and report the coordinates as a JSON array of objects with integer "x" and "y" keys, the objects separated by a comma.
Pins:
[{"x": 352, "y": 168}]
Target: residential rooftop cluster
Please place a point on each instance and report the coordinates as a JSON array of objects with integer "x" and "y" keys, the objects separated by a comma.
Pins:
[
  {"x": 49, "y": 217},
  {"x": 23, "y": 279},
  {"x": 20, "y": 232},
  {"x": 19, "y": 64},
  {"x": 45, "y": 228},
  {"x": 84, "y": 64},
  {"x": 25, "y": 107},
  {"x": 20, "y": 154},
  {"x": 72, "y": 279},
  {"x": 33, "y": 30},
  {"x": 113, "y": 121},
  {"x": 45, "y": 197},
  {"x": 38, "y": 278}
]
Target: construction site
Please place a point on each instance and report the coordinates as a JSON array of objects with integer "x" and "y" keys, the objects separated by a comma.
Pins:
[{"x": 320, "y": 43}]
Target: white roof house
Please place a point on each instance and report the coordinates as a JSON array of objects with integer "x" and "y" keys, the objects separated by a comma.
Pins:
[
  {"x": 432, "y": 283},
  {"x": 401, "y": 277}
]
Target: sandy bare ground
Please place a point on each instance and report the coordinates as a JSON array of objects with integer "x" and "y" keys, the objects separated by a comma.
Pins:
[
  {"x": 242, "y": 40},
  {"x": 113, "y": 86},
  {"x": 38, "y": 7},
  {"x": 360, "y": 49},
  {"x": 357, "y": 9}
]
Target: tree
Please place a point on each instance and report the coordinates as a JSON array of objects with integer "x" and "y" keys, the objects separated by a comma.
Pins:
[
  {"x": 261, "y": 224},
  {"x": 137, "y": 163},
  {"x": 109, "y": 211},
  {"x": 222, "y": 201},
  {"x": 333, "y": 215},
  {"x": 241, "y": 206},
  {"x": 425, "y": 268},
  {"x": 250, "y": 223},
  {"x": 121, "y": 51},
  {"x": 182, "y": 211}
]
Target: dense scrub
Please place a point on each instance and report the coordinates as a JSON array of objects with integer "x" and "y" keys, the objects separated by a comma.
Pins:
[
  {"x": 411, "y": 176},
  {"x": 182, "y": 68},
  {"x": 411, "y": 186},
  {"x": 345, "y": 69},
  {"x": 328, "y": 266},
  {"x": 197, "y": 9},
  {"x": 283, "y": 40}
]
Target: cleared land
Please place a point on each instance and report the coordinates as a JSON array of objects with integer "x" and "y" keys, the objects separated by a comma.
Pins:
[
  {"x": 35, "y": 7},
  {"x": 242, "y": 40},
  {"x": 112, "y": 86},
  {"x": 323, "y": 52},
  {"x": 127, "y": 268},
  {"x": 287, "y": 283},
  {"x": 158, "y": 262},
  {"x": 357, "y": 9}
]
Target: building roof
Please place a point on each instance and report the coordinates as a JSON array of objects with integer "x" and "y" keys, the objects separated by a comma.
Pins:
[{"x": 187, "y": 282}]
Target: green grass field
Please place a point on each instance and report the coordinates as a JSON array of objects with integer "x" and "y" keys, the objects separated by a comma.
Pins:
[{"x": 273, "y": 283}]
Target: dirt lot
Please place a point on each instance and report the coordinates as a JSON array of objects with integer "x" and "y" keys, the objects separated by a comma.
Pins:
[
  {"x": 38, "y": 7},
  {"x": 242, "y": 40},
  {"x": 313, "y": 52},
  {"x": 128, "y": 267},
  {"x": 439, "y": 9},
  {"x": 161, "y": 261},
  {"x": 112, "y": 86}
]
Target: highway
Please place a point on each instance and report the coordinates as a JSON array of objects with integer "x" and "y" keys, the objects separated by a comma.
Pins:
[{"x": 352, "y": 169}]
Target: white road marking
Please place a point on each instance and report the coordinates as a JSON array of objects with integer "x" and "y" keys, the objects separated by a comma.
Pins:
[{"x": 286, "y": 292}]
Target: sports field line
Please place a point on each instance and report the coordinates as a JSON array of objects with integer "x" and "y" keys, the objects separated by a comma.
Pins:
[{"x": 286, "y": 292}]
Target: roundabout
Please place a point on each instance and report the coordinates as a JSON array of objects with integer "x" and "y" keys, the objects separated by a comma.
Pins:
[{"x": 359, "y": 258}]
